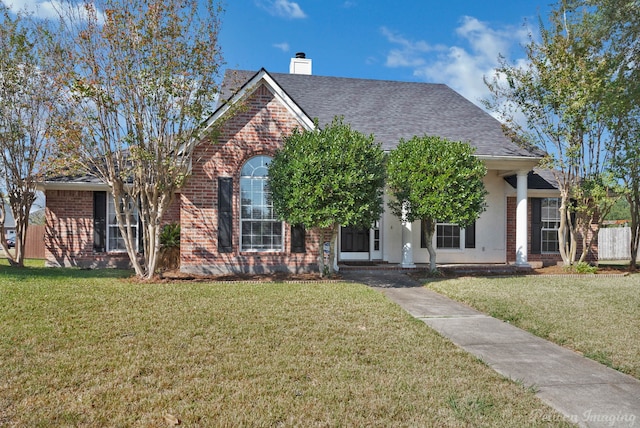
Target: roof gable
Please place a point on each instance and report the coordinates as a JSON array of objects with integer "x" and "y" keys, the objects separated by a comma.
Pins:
[
  {"x": 390, "y": 110},
  {"x": 236, "y": 89}
]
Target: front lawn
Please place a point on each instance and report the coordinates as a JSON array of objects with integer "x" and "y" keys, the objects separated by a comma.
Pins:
[
  {"x": 596, "y": 315},
  {"x": 91, "y": 348}
]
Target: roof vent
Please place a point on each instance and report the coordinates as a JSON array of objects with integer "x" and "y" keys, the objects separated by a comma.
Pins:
[{"x": 300, "y": 64}]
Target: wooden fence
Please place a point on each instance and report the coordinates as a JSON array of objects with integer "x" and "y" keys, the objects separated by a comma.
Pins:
[
  {"x": 34, "y": 246},
  {"x": 614, "y": 243}
]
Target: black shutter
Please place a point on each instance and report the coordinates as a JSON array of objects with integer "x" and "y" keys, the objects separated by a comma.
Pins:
[
  {"x": 225, "y": 214},
  {"x": 99, "y": 221},
  {"x": 297, "y": 239},
  {"x": 536, "y": 225},
  {"x": 140, "y": 233},
  {"x": 470, "y": 236},
  {"x": 423, "y": 242}
]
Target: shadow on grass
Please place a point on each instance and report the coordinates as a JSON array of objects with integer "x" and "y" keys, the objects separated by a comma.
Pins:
[{"x": 36, "y": 269}]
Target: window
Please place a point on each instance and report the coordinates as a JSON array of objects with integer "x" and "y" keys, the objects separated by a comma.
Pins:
[
  {"x": 447, "y": 235},
  {"x": 259, "y": 226},
  {"x": 451, "y": 236},
  {"x": 115, "y": 241},
  {"x": 550, "y": 222},
  {"x": 106, "y": 234}
]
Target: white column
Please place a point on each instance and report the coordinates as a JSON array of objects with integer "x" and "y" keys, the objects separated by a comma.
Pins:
[
  {"x": 407, "y": 251},
  {"x": 521, "y": 220}
]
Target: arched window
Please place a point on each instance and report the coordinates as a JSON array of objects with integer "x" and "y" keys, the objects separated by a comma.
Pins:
[{"x": 260, "y": 230}]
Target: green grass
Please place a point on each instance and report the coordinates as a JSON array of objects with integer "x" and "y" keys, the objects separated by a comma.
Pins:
[
  {"x": 93, "y": 348},
  {"x": 596, "y": 315}
]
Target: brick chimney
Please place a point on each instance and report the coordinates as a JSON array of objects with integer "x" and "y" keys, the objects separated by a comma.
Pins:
[{"x": 300, "y": 64}]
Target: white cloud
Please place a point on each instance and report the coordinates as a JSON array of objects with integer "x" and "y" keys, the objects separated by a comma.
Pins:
[
  {"x": 49, "y": 9},
  {"x": 284, "y": 47},
  {"x": 460, "y": 66},
  {"x": 282, "y": 8},
  {"x": 40, "y": 9},
  {"x": 408, "y": 53}
]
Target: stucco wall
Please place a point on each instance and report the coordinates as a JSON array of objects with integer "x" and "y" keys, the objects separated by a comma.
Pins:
[{"x": 490, "y": 233}]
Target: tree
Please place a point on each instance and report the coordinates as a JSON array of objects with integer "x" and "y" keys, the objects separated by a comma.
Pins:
[
  {"x": 620, "y": 211},
  {"x": 142, "y": 77},
  {"x": 560, "y": 94},
  {"x": 28, "y": 95},
  {"x": 434, "y": 179},
  {"x": 617, "y": 24},
  {"x": 328, "y": 177}
]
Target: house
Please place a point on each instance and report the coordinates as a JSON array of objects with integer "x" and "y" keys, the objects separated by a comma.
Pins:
[
  {"x": 9, "y": 222},
  {"x": 228, "y": 224}
]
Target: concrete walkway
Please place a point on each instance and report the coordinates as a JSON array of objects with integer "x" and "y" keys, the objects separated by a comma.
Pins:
[{"x": 586, "y": 392}]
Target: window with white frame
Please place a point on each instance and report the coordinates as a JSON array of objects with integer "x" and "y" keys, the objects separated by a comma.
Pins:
[
  {"x": 550, "y": 218},
  {"x": 447, "y": 236},
  {"x": 115, "y": 241},
  {"x": 451, "y": 236},
  {"x": 260, "y": 229}
]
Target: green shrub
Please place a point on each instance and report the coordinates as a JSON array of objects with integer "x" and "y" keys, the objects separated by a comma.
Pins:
[
  {"x": 170, "y": 236},
  {"x": 583, "y": 267}
]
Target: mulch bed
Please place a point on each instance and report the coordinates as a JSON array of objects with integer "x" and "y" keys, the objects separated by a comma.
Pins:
[
  {"x": 561, "y": 270},
  {"x": 176, "y": 275}
]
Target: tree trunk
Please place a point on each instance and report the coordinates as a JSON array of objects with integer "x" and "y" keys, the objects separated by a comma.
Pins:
[
  {"x": 332, "y": 247},
  {"x": 124, "y": 216},
  {"x": 428, "y": 231},
  {"x": 321, "y": 267},
  {"x": 563, "y": 245},
  {"x": 20, "y": 203},
  {"x": 634, "y": 203},
  {"x": 328, "y": 268},
  {"x": 635, "y": 240}
]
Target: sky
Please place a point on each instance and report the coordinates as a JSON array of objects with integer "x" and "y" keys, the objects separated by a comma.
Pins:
[{"x": 454, "y": 42}]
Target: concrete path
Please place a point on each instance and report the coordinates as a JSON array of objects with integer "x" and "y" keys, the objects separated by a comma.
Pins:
[{"x": 586, "y": 392}]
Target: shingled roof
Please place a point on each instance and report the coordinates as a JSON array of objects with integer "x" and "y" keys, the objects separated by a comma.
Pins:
[{"x": 390, "y": 110}]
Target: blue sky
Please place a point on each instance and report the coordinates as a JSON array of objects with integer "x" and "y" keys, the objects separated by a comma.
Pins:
[{"x": 454, "y": 42}]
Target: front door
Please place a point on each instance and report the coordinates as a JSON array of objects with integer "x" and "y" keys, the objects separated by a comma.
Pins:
[
  {"x": 359, "y": 244},
  {"x": 354, "y": 240}
]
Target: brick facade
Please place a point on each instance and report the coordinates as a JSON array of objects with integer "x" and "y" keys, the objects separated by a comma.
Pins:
[
  {"x": 68, "y": 227},
  {"x": 69, "y": 231},
  {"x": 546, "y": 259},
  {"x": 256, "y": 128}
]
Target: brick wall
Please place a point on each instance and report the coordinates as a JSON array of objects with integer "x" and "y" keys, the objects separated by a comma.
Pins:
[
  {"x": 545, "y": 259},
  {"x": 69, "y": 231},
  {"x": 68, "y": 227},
  {"x": 172, "y": 215},
  {"x": 257, "y": 128}
]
